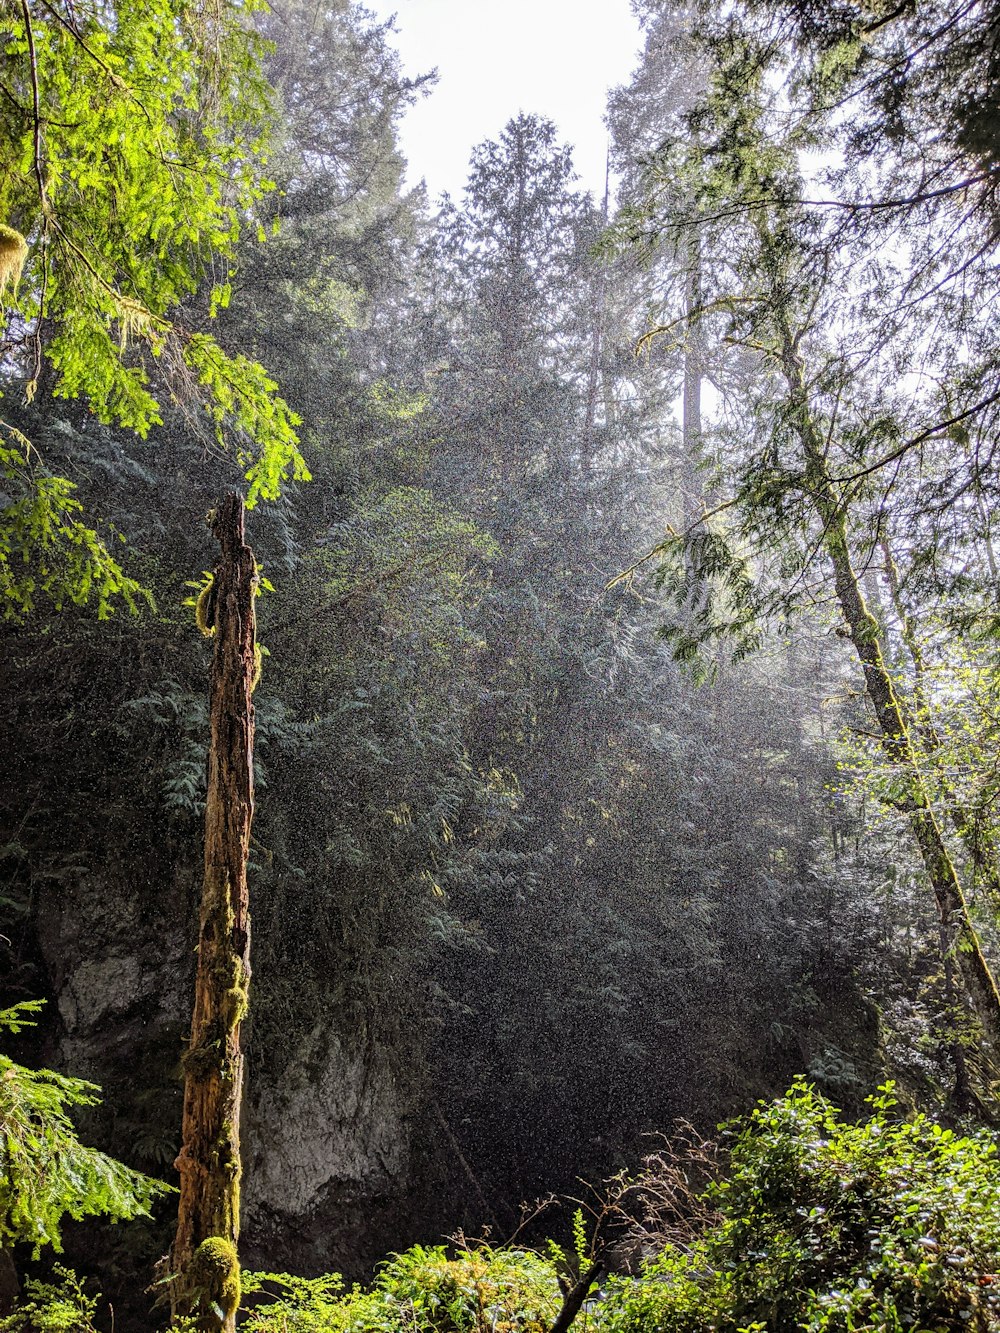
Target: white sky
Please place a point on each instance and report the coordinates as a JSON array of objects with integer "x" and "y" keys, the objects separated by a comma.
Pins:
[{"x": 494, "y": 58}]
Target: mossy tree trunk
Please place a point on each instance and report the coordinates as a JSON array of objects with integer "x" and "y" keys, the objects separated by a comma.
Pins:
[
  {"x": 203, "y": 1262},
  {"x": 914, "y": 797}
]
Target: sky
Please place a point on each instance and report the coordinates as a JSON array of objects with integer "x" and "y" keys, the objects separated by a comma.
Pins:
[{"x": 494, "y": 58}]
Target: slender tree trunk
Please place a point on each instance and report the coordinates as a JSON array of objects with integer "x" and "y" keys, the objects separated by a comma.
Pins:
[
  {"x": 575, "y": 1296},
  {"x": 914, "y": 798},
  {"x": 594, "y": 375},
  {"x": 957, "y": 1006},
  {"x": 692, "y": 489},
  {"x": 204, "y": 1260}
]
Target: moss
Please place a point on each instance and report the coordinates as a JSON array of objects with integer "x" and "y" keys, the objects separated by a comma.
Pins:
[
  {"x": 215, "y": 1274},
  {"x": 236, "y": 1005},
  {"x": 13, "y": 252},
  {"x": 229, "y": 972},
  {"x": 204, "y": 611}
]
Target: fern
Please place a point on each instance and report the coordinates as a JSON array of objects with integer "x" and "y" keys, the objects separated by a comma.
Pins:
[{"x": 46, "y": 1173}]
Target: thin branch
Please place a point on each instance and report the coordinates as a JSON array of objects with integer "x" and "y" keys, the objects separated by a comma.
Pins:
[
  {"x": 845, "y": 205},
  {"x": 915, "y": 440},
  {"x": 672, "y": 535},
  {"x": 116, "y": 79},
  {"x": 36, "y": 106}
]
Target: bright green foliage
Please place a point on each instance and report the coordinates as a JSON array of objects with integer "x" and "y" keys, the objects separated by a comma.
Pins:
[
  {"x": 884, "y": 1225},
  {"x": 61, "y": 1306},
  {"x": 135, "y": 134},
  {"x": 481, "y": 1290},
  {"x": 45, "y": 549},
  {"x": 302, "y": 1305},
  {"x": 47, "y": 1173}
]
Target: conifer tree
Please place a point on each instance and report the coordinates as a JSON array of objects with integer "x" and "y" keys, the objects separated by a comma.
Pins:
[{"x": 822, "y": 461}]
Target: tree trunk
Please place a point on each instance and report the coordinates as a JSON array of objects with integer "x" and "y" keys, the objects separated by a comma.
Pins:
[
  {"x": 204, "y": 1265},
  {"x": 691, "y": 487},
  {"x": 984, "y": 859},
  {"x": 914, "y": 797}
]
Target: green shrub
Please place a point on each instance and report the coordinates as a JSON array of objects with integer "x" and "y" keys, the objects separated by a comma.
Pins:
[
  {"x": 828, "y": 1227},
  {"x": 283, "y": 1303},
  {"x": 60, "y": 1306},
  {"x": 480, "y": 1290}
]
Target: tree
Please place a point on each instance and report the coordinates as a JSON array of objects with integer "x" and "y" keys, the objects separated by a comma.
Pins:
[
  {"x": 625, "y": 901},
  {"x": 669, "y": 274},
  {"x": 138, "y": 135},
  {"x": 811, "y": 488},
  {"x": 205, "y": 1273}
]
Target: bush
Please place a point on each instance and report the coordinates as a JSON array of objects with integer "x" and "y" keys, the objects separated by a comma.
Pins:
[
  {"x": 481, "y": 1290},
  {"x": 887, "y": 1225},
  {"x": 59, "y": 1306}
]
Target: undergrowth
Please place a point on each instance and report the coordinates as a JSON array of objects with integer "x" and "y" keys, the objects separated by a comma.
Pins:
[{"x": 889, "y": 1225}]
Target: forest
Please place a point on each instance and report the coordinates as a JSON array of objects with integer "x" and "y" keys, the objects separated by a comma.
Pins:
[{"x": 564, "y": 624}]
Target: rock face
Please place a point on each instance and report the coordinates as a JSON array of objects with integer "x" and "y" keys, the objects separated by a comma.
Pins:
[
  {"x": 326, "y": 1148},
  {"x": 118, "y": 969},
  {"x": 327, "y": 1154}
]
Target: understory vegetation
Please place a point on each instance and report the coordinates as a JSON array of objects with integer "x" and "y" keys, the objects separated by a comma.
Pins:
[{"x": 797, "y": 1218}]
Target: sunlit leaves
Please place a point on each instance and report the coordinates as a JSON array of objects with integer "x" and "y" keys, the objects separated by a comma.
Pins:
[
  {"x": 425, "y": 1288},
  {"x": 242, "y": 396},
  {"x": 137, "y": 133},
  {"x": 46, "y": 551},
  {"x": 46, "y": 1173},
  {"x": 826, "y": 1225}
]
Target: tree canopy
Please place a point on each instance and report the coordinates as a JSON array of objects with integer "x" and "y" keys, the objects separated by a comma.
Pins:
[{"x": 135, "y": 142}]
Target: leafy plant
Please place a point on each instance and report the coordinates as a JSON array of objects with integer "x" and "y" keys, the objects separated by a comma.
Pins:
[
  {"x": 137, "y": 155},
  {"x": 61, "y": 1306},
  {"x": 478, "y": 1291},
  {"x": 827, "y": 1226},
  {"x": 45, "y": 549},
  {"x": 46, "y": 1173}
]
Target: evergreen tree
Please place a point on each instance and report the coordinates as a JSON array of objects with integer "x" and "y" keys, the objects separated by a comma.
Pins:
[{"x": 820, "y": 473}]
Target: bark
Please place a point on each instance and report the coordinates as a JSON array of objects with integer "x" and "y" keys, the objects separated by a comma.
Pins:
[
  {"x": 575, "y": 1297},
  {"x": 692, "y": 490},
  {"x": 914, "y": 798},
  {"x": 204, "y": 1265}
]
